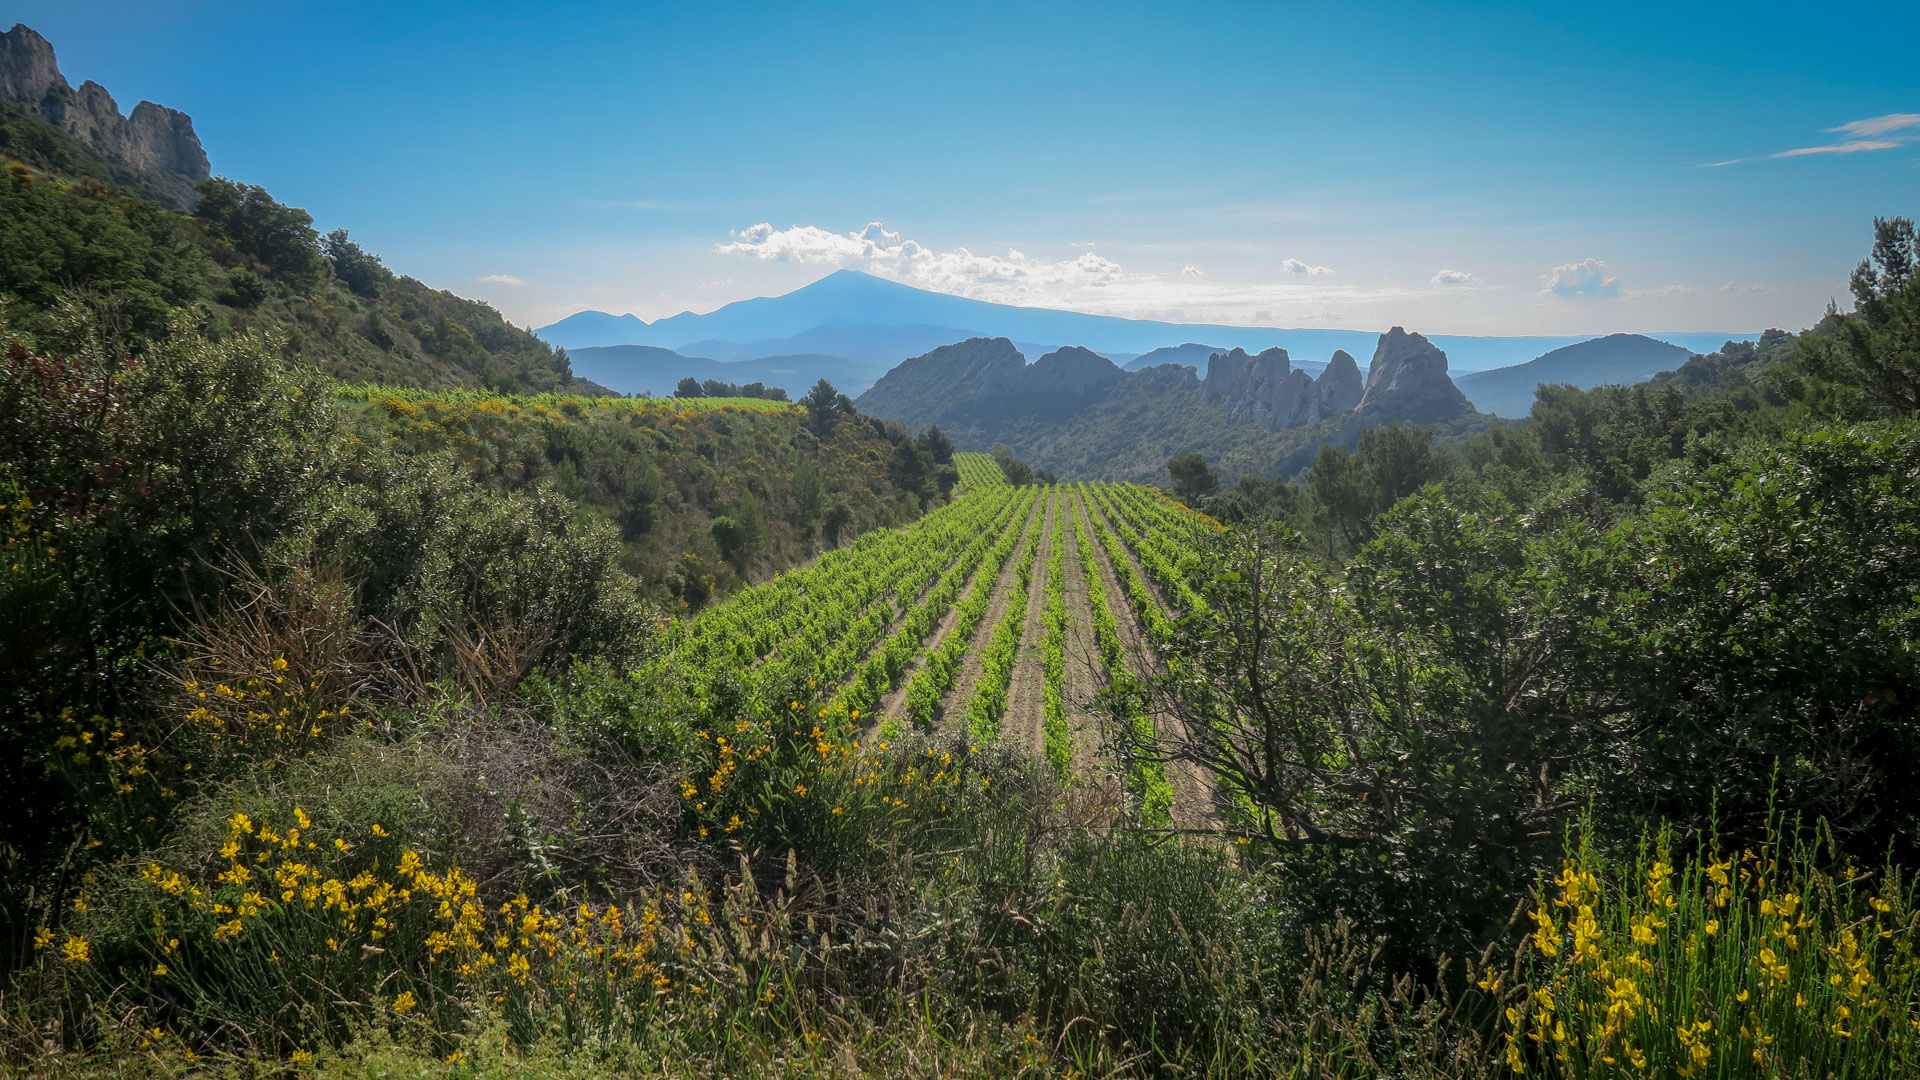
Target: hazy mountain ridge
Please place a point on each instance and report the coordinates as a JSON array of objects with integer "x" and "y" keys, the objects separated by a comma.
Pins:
[
  {"x": 1080, "y": 415},
  {"x": 856, "y": 315},
  {"x": 651, "y": 370},
  {"x": 1615, "y": 359}
]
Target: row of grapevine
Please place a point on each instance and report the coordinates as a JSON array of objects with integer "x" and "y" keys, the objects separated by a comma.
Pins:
[
  {"x": 1146, "y": 779},
  {"x": 1162, "y": 535},
  {"x": 1053, "y": 647},
  {"x": 989, "y": 702},
  {"x": 1146, "y": 607},
  {"x": 942, "y": 666},
  {"x": 882, "y": 671},
  {"x": 979, "y": 471},
  {"x": 825, "y": 616}
]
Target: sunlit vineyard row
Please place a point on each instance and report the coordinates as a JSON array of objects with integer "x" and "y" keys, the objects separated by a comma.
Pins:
[
  {"x": 979, "y": 471},
  {"x": 991, "y": 616}
]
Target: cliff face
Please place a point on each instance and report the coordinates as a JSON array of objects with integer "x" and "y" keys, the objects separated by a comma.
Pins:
[
  {"x": 1265, "y": 389},
  {"x": 154, "y": 138},
  {"x": 1408, "y": 381}
]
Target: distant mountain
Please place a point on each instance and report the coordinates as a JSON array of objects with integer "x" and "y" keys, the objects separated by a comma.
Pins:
[
  {"x": 647, "y": 369},
  {"x": 1621, "y": 359},
  {"x": 861, "y": 317},
  {"x": 1080, "y": 415},
  {"x": 1188, "y": 355}
]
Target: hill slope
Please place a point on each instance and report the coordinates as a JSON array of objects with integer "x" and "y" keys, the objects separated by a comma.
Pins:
[
  {"x": 78, "y": 220},
  {"x": 1621, "y": 359}
]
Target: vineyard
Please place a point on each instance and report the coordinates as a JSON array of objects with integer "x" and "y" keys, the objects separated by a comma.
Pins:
[{"x": 1001, "y": 616}]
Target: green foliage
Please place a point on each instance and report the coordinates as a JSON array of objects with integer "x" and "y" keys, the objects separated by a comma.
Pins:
[
  {"x": 281, "y": 238},
  {"x": 1191, "y": 477},
  {"x": 1876, "y": 351},
  {"x": 129, "y": 255},
  {"x": 662, "y": 471},
  {"x": 130, "y": 252},
  {"x": 360, "y": 271}
]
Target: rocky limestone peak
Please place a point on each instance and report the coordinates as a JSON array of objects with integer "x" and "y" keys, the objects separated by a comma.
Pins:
[
  {"x": 1261, "y": 389},
  {"x": 1069, "y": 372},
  {"x": 1408, "y": 382},
  {"x": 28, "y": 71},
  {"x": 1339, "y": 387},
  {"x": 155, "y": 138}
]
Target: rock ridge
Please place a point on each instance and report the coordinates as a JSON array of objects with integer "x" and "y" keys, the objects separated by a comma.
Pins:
[
  {"x": 154, "y": 138},
  {"x": 1267, "y": 389}
]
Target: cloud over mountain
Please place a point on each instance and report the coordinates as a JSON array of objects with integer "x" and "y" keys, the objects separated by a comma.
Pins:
[
  {"x": 878, "y": 249},
  {"x": 1586, "y": 278}
]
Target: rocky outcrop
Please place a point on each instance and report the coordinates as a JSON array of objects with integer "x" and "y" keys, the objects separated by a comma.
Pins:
[
  {"x": 1266, "y": 389},
  {"x": 154, "y": 138},
  {"x": 1339, "y": 387},
  {"x": 1408, "y": 382},
  {"x": 1063, "y": 377}
]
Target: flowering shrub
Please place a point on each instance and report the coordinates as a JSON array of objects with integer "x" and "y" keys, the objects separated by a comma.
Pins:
[{"x": 1756, "y": 964}]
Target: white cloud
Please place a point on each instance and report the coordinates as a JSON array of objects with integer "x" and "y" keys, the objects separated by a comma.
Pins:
[
  {"x": 1839, "y": 148},
  {"x": 1453, "y": 277},
  {"x": 1879, "y": 125},
  {"x": 1586, "y": 278},
  {"x": 500, "y": 279},
  {"x": 1295, "y": 266},
  {"x": 1858, "y": 139},
  {"x": 1662, "y": 292},
  {"x": 1294, "y": 292},
  {"x": 885, "y": 251},
  {"x": 1742, "y": 287}
]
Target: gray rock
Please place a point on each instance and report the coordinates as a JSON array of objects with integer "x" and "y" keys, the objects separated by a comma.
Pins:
[
  {"x": 1261, "y": 389},
  {"x": 155, "y": 138},
  {"x": 1408, "y": 382},
  {"x": 1339, "y": 387}
]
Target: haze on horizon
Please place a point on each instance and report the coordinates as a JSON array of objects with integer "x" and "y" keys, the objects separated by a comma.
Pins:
[{"x": 1464, "y": 170}]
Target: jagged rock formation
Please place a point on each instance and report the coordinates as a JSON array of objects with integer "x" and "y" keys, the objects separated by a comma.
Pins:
[
  {"x": 1408, "y": 382},
  {"x": 1266, "y": 388},
  {"x": 154, "y": 138},
  {"x": 1339, "y": 387},
  {"x": 1062, "y": 377}
]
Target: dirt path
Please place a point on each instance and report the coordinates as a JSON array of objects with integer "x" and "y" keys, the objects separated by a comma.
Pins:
[
  {"x": 1194, "y": 791},
  {"x": 1025, "y": 723},
  {"x": 953, "y": 707},
  {"x": 1085, "y": 673}
]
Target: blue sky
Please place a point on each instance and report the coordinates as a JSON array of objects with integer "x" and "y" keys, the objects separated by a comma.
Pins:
[{"x": 1452, "y": 168}]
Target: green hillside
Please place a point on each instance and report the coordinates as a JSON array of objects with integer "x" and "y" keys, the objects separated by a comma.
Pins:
[{"x": 73, "y": 225}]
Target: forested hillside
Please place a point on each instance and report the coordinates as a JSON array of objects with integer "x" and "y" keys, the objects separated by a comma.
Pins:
[
  {"x": 75, "y": 224},
  {"x": 707, "y": 493}
]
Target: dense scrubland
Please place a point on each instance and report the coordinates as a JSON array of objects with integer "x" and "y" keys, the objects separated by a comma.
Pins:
[{"x": 360, "y": 729}]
